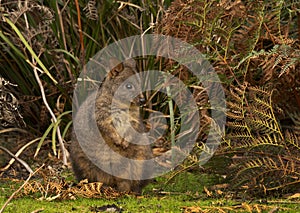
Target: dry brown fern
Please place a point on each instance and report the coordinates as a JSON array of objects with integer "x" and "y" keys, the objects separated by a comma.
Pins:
[
  {"x": 253, "y": 47},
  {"x": 266, "y": 154},
  {"x": 56, "y": 188}
]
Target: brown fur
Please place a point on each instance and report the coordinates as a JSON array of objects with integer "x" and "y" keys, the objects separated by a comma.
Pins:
[{"x": 104, "y": 115}]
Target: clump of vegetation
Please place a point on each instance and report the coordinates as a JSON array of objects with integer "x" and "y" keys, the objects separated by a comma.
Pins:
[
  {"x": 254, "y": 47},
  {"x": 45, "y": 46}
]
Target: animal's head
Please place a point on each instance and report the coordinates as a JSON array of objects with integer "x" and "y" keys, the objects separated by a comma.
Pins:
[{"x": 125, "y": 82}]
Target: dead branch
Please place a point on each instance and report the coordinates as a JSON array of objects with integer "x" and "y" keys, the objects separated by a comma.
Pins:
[{"x": 27, "y": 167}]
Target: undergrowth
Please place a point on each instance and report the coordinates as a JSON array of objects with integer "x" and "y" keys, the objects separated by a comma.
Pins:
[
  {"x": 45, "y": 45},
  {"x": 254, "y": 48}
]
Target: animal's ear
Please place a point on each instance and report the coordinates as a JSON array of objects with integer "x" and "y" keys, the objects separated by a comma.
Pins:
[
  {"x": 130, "y": 63},
  {"x": 117, "y": 67}
]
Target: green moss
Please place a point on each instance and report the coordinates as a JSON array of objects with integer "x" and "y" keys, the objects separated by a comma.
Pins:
[
  {"x": 167, "y": 203},
  {"x": 166, "y": 194},
  {"x": 188, "y": 182}
]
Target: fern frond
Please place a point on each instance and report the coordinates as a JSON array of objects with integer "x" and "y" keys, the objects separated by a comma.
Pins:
[
  {"x": 263, "y": 114},
  {"x": 267, "y": 140},
  {"x": 289, "y": 66},
  {"x": 238, "y": 125},
  {"x": 238, "y": 93},
  {"x": 91, "y": 10},
  {"x": 238, "y": 115},
  {"x": 268, "y": 126},
  {"x": 292, "y": 140},
  {"x": 236, "y": 105},
  {"x": 240, "y": 136},
  {"x": 264, "y": 119},
  {"x": 267, "y": 173}
]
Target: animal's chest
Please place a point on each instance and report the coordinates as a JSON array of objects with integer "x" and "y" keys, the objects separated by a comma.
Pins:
[{"x": 126, "y": 120}]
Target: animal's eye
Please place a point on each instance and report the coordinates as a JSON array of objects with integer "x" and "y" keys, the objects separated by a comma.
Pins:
[{"x": 129, "y": 86}]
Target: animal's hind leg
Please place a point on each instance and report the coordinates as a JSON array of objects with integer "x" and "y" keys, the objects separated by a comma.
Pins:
[{"x": 124, "y": 185}]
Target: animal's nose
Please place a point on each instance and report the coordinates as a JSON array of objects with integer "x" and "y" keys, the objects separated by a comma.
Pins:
[{"x": 142, "y": 100}]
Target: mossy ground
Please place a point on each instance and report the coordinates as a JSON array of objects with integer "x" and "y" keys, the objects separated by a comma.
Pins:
[
  {"x": 168, "y": 203},
  {"x": 184, "y": 193}
]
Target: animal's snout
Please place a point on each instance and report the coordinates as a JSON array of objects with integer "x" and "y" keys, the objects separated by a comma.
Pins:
[{"x": 142, "y": 100}]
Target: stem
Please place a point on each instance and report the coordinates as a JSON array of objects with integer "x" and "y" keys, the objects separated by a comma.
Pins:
[
  {"x": 61, "y": 144},
  {"x": 172, "y": 120}
]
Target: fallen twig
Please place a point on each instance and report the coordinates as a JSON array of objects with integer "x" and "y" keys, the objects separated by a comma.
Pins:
[
  {"x": 18, "y": 153},
  {"x": 27, "y": 167},
  {"x": 13, "y": 129}
]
